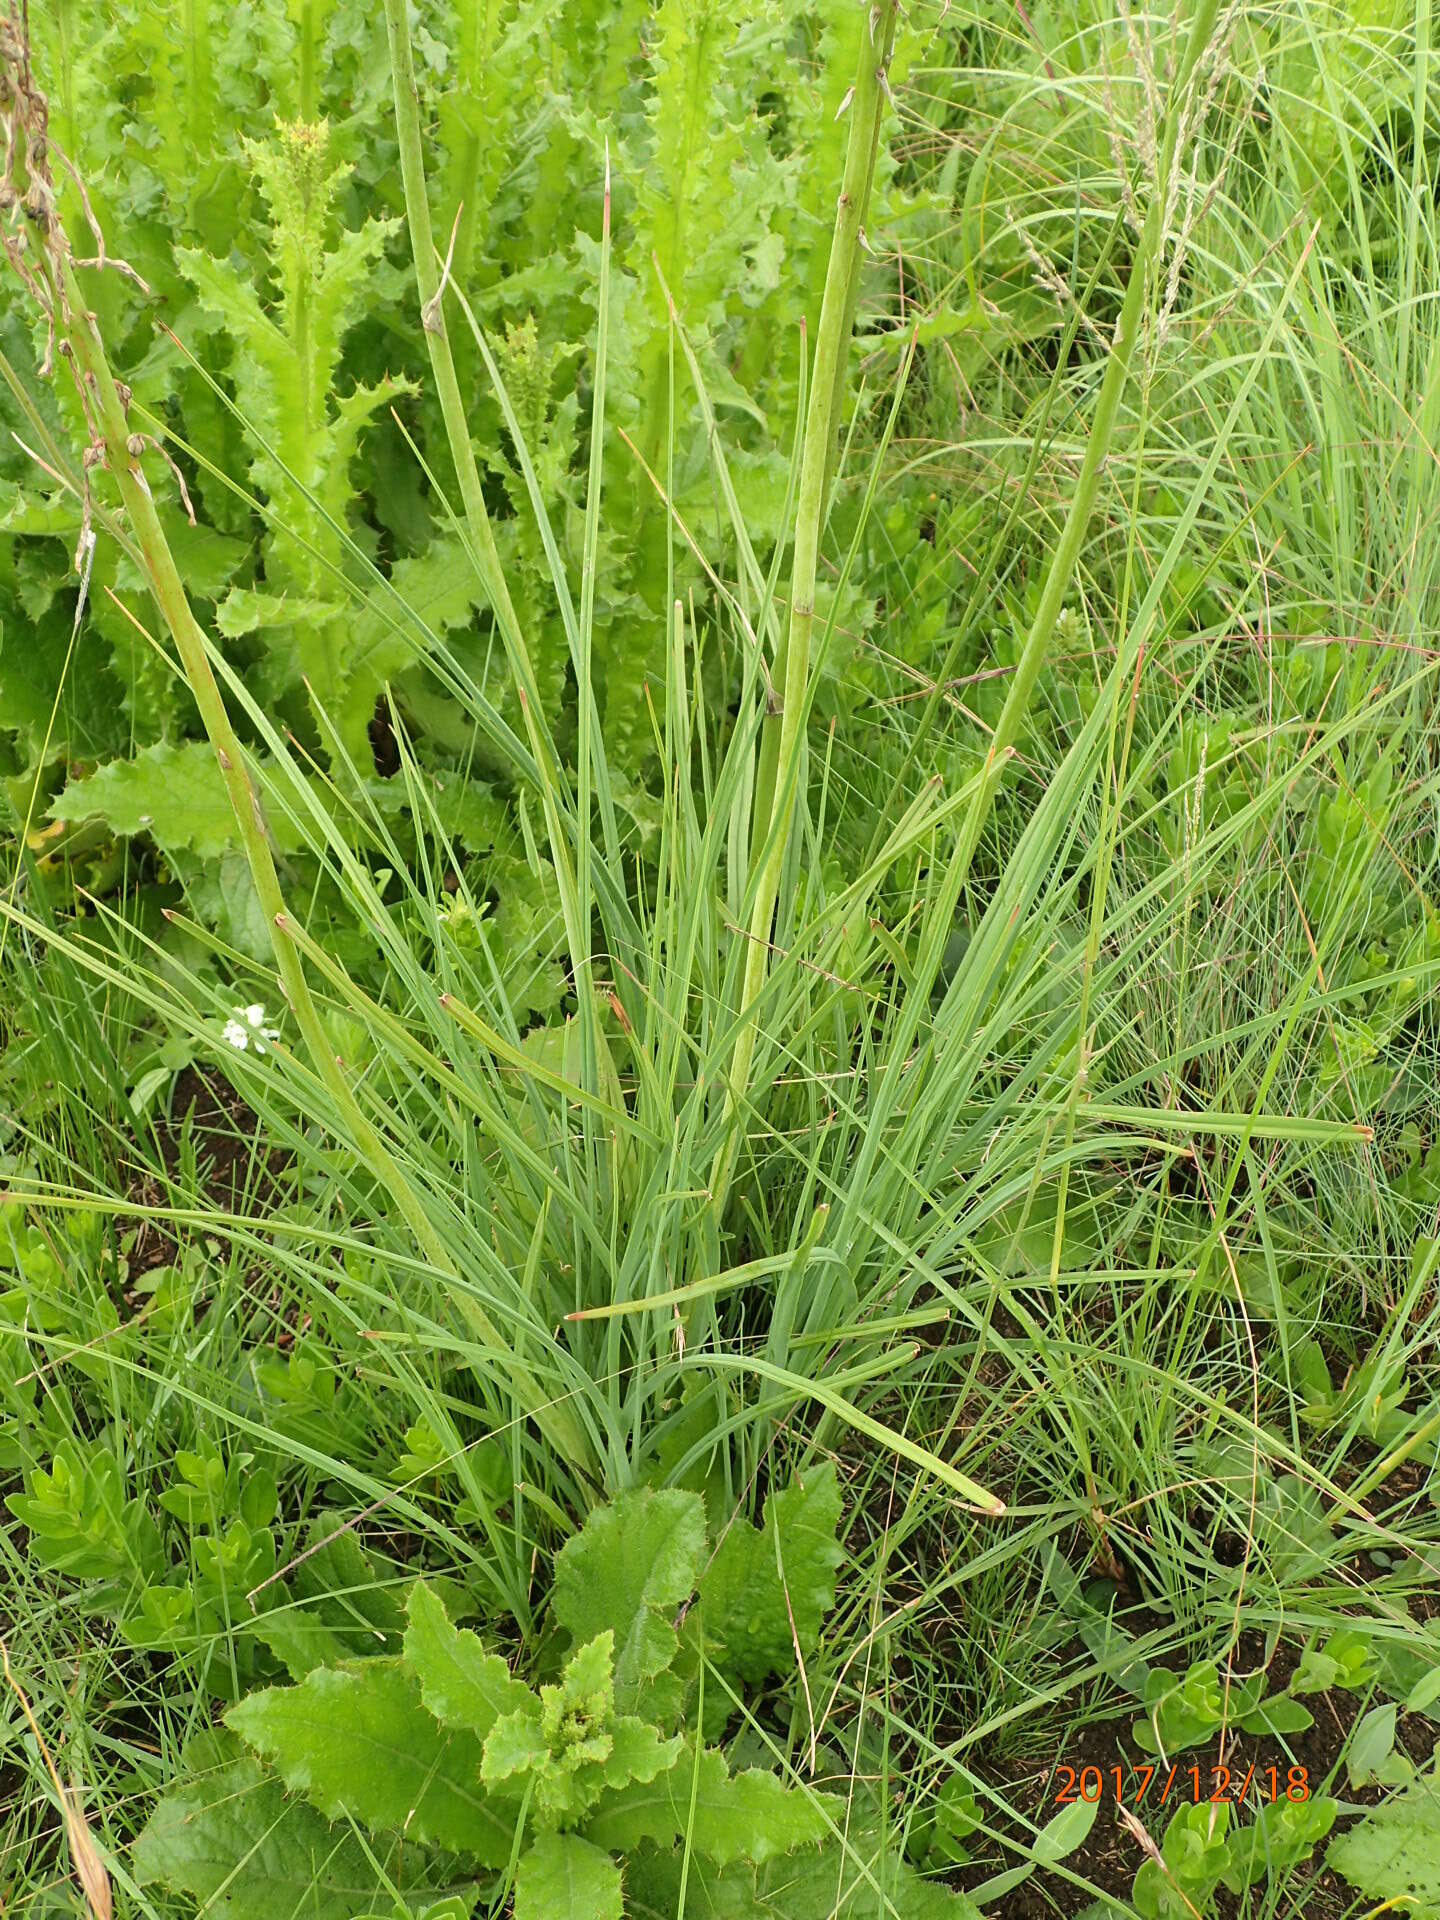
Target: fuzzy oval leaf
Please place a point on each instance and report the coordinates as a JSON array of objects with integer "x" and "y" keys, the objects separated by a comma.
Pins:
[
  {"x": 1370, "y": 1744},
  {"x": 631, "y": 1566},
  {"x": 1069, "y": 1829},
  {"x": 563, "y": 1877},
  {"x": 1277, "y": 1715},
  {"x": 768, "y": 1588}
]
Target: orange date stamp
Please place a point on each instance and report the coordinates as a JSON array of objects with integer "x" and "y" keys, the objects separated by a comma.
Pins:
[{"x": 1199, "y": 1786}]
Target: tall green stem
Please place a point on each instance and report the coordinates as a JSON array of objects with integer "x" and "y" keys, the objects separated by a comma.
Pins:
[
  {"x": 781, "y": 743},
  {"x": 472, "y": 498},
  {"x": 123, "y": 456},
  {"x": 782, "y": 735}
]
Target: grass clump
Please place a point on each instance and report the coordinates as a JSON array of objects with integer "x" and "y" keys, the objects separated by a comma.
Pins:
[{"x": 718, "y": 1076}]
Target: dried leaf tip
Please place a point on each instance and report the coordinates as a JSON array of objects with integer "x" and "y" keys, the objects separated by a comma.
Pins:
[{"x": 84, "y": 1854}]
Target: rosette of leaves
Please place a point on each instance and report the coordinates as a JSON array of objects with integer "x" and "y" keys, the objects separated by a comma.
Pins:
[{"x": 461, "y": 1773}]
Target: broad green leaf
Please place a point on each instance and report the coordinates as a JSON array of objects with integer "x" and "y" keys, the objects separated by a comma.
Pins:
[
  {"x": 175, "y": 794},
  {"x": 639, "y": 1752},
  {"x": 247, "y": 610},
  {"x": 631, "y": 1566},
  {"x": 515, "y": 1745},
  {"x": 1277, "y": 1715},
  {"x": 1067, "y": 1830},
  {"x": 770, "y": 1587},
  {"x": 863, "y": 1878},
  {"x": 1393, "y": 1854},
  {"x": 563, "y": 1877},
  {"x": 229, "y": 1836},
  {"x": 460, "y": 1682},
  {"x": 1183, "y": 1712},
  {"x": 338, "y": 1606},
  {"x": 82, "y": 1521},
  {"x": 1370, "y": 1743},
  {"x": 1281, "y": 1836},
  {"x": 358, "y": 1742},
  {"x": 568, "y": 1747},
  {"x": 301, "y": 1640},
  {"x": 748, "y": 1816}
]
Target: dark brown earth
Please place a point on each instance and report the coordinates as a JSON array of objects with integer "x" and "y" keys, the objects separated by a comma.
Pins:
[
  {"x": 1112, "y": 1854},
  {"x": 233, "y": 1168}
]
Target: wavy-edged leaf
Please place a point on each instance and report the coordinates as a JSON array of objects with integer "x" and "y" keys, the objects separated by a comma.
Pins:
[
  {"x": 770, "y": 1587},
  {"x": 358, "y": 1743},
  {"x": 460, "y": 1683},
  {"x": 863, "y": 1879},
  {"x": 1393, "y": 1854},
  {"x": 745, "y": 1816},
  {"x": 230, "y": 1836},
  {"x": 629, "y": 1568},
  {"x": 176, "y": 794}
]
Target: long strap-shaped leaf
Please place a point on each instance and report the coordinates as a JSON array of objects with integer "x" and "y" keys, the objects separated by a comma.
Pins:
[
  {"x": 782, "y": 739},
  {"x": 554, "y": 793}
]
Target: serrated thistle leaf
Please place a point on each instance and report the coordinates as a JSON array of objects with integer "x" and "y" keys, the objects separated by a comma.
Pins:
[
  {"x": 515, "y": 1745},
  {"x": 359, "y": 1744},
  {"x": 639, "y": 1752},
  {"x": 629, "y": 1568},
  {"x": 563, "y": 1877},
  {"x": 460, "y": 1683},
  {"x": 175, "y": 794},
  {"x": 762, "y": 1580},
  {"x": 229, "y": 1836},
  {"x": 749, "y": 1816},
  {"x": 568, "y": 1746}
]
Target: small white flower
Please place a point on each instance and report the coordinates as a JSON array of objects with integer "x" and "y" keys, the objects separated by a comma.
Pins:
[{"x": 246, "y": 1028}]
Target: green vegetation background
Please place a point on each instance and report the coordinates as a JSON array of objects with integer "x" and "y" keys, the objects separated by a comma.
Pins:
[{"x": 1034, "y": 1343}]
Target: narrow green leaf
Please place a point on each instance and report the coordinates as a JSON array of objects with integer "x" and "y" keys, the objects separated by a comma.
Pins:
[{"x": 834, "y": 1402}]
